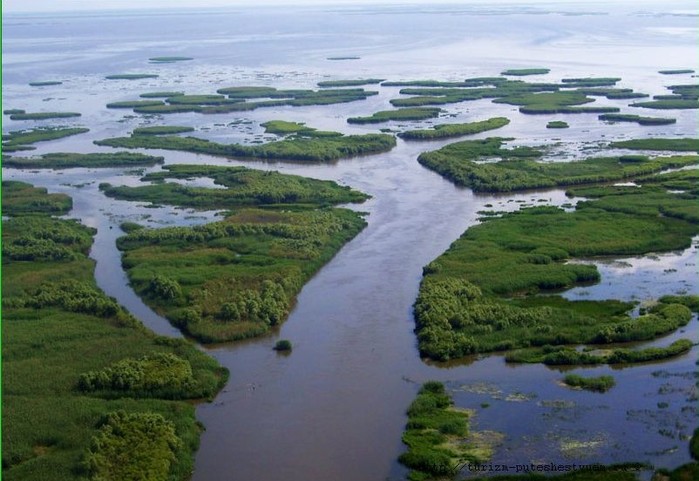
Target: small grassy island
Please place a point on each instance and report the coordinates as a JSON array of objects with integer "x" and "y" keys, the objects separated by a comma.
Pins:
[
  {"x": 46, "y": 83},
  {"x": 350, "y": 83},
  {"x": 88, "y": 392},
  {"x": 170, "y": 59},
  {"x": 676, "y": 71},
  {"x": 464, "y": 163},
  {"x": 239, "y": 277},
  {"x": 162, "y": 130},
  {"x": 131, "y": 76},
  {"x": 301, "y": 148},
  {"x": 43, "y": 115},
  {"x": 437, "y": 436},
  {"x": 521, "y": 72},
  {"x": 597, "y": 384},
  {"x": 22, "y": 139},
  {"x": 557, "y": 124},
  {"x": 442, "y": 131},
  {"x": 637, "y": 118},
  {"x": 69, "y": 160},
  {"x": 482, "y": 295},
  {"x": 399, "y": 114}
]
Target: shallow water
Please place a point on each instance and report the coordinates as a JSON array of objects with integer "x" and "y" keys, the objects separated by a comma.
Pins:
[{"x": 334, "y": 408}]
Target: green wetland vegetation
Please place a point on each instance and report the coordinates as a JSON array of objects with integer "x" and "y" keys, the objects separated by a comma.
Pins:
[
  {"x": 243, "y": 187},
  {"x": 170, "y": 59},
  {"x": 237, "y": 278},
  {"x": 597, "y": 384},
  {"x": 436, "y": 435},
  {"x": 521, "y": 72},
  {"x": 43, "y": 115},
  {"x": 669, "y": 104},
  {"x": 88, "y": 392},
  {"x": 676, "y": 71},
  {"x": 675, "y": 145},
  {"x": 131, "y": 76},
  {"x": 18, "y": 140},
  {"x": 557, "y": 124},
  {"x": 486, "y": 292},
  {"x": 470, "y": 163},
  {"x": 162, "y": 130},
  {"x": 417, "y": 113},
  {"x": 45, "y": 83},
  {"x": 637, "y": 118},
  {"x": 350, "y": 83},
  {"x": 442, "y": 131},
  {"x": 297, "y": 148},
  {"x": 61, "y": 160}
]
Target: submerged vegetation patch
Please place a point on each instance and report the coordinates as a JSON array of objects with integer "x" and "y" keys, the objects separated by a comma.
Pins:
[{"x": 170, "y": 59}]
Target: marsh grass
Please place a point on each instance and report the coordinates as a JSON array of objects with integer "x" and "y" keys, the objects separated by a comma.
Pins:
[
  {"x": 442, "y": 131},
  {"x": 399, "y": 114},
  {"x": 69, "y": 160},
  {"x": 43, "y": 115},
  {"x": 61, "y": 326}
]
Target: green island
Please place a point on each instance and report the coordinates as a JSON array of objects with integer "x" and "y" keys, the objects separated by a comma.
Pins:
[
  {"x": 244, "y": 187},
  {"x": 597, "y": 384},
  {"x": 17, "y": 140},
  {"x": 239, "y": 277},
  {"x": 162, "y": 130},
  {"x": 557, "y": 124},
  {"x": 442, "y": 131},
  {"x": 283, "y": 127},
  {"x": 13, "y": 111},
  {"x": 562, "y": 102},
  {"x": 676, "y": 145},
  {"x": 160, "y": 94},
  {"x": 591, "y": 81},
  {"x": 438, "y": 438},
  {"x": 343, "y": 58},
  {"x": 611, "y": 93},
  {"x": 399, "y": 114},
  {"x": 45, "y": 84},
  {"x": 88, "y": 392},
  {"x": 283, "y": 345},
  {"x": 637, "y": 118},
  {"x": 21, "y": 198},
  {"x": 63, "y": 160},
  {"x": 43, "y": 115},
  {"x": 521, "y": 72},
  {"x": 170, "y": 59},
  {"x": 349, "y": 83},
  {"x": 238, "y": 99},
  {"x": 298, "y": 148},
  {"x": 671, "y": 104},
  {"x": 469, "y": 163},
  {"x": 493, "y": 289},
  {"x": 676, "y": 71},
  {"x": 131, "y": 76}
]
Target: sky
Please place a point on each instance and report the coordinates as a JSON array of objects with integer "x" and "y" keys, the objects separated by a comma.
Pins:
[{"x": 17, "y": 6}]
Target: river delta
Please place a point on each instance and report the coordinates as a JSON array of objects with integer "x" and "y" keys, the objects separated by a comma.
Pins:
[{"x": 325, "y": 174}]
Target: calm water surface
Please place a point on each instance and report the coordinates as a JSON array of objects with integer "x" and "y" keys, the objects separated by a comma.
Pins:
[{"x": 334, "y": 408}]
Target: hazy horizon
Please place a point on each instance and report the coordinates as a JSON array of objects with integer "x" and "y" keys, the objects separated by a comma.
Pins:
[{"x": 38, "y": 6}]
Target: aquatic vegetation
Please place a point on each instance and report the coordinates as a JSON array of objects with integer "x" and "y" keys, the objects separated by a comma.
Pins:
[
  {"x": 637, "y": 118},
  {"x": 130, "y": 104},
  {"x": 399, "y": 114},
  {"x": 343, "y": 58},
  {"x": 435, "y": 435},
  {"x": 162, "y": 94},
  {"x": 245, "y": 187},
  {"x": 170, "y": 59},
  {"x": 45, "y": 84},
  {"x": 591, "y": 81},
  {"x": 668, "y": 104},
  {"x": 553, "y": 102},
  {"x": 62, "y": 326},
  {"x": 557, "y": 124},
  {"x": 43, "y": 115},
  {"x": 520, "y": 72},
  {"x": 282, "y": 127},
  {"x": 302, "y": 149},
  {"x": 349, "y": 83},
  {"x": 162, "y": 130},
  {"x": 13, "y": 111},
  {"x": 599, "y": 384},
  {"x": 480, "y": 295},
  {"x": 676, "y": 145},
  {"x": 131, "y": 76},
  {"x": 676, "y": 71},
  {"x": 283, "y": 345},
  {"x": 463, "y": 163},
  {"x": 455, "y": 130},
  {"x": 62, "y": 160},
  {"x": 21, "y": 198},
  {"x": 20, "y": 139},
  {"x": 236, "y": 278},
  {"x": 690, "y": 91}
]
